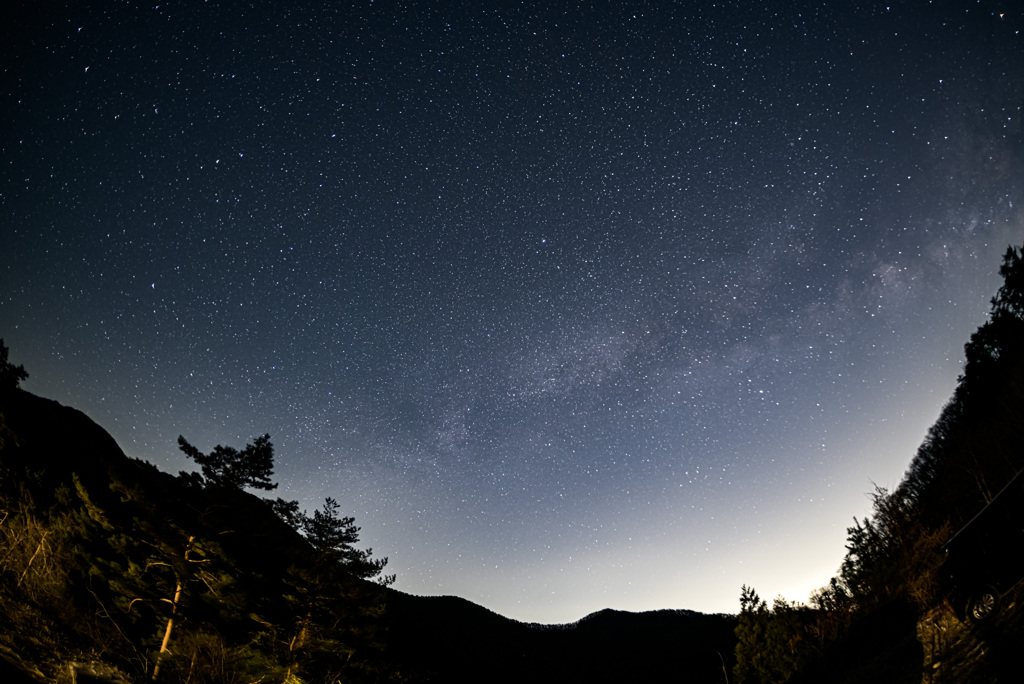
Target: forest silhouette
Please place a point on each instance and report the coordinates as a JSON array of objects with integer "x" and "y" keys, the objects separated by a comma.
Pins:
[
  {"x": 111, "y": 570},
  {"x": 892, "y": 613}
]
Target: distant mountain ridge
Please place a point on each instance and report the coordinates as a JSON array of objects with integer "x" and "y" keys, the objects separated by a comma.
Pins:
[{"x": 605, "y": 646}]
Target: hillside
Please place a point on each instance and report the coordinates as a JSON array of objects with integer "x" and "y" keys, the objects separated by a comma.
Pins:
[
  {"x": 930, "y": 588},
  {"x": 94, "y": 545},
  {"x": 97, "y": 548}
]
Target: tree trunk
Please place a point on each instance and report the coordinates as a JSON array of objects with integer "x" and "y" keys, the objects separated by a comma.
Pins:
[{"x": 170, "y": 621}]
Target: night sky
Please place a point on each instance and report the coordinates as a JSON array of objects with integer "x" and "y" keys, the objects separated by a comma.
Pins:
[{"x": 572, "y": 306}]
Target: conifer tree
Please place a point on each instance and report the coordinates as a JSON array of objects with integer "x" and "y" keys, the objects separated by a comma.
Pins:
[
  {"x": 751, "y": 630},
  {"x": 338, "y": 611},
  {"x": 334, "y": 537},
  {"x": 230, "y": 468}
]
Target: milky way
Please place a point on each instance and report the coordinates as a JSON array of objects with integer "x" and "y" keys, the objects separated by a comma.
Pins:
[{"x": 570, "y": 307}]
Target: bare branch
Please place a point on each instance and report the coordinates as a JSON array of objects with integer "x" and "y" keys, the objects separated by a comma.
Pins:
[{"x": 38, "y": 549}]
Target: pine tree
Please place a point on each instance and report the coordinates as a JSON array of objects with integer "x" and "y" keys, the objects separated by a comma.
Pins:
[
  {"x": 230, "y": 468},
  {"x": 751, "y": 637},
  {"x": 334, "y": 537}
]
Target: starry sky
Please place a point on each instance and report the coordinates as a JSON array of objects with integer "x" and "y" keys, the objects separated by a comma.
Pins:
[{"x": 571, "y": 305}]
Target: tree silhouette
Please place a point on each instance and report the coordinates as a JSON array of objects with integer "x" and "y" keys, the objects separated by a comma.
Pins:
[
  {"x": 333, "y": 537},
  {"x": 10, "y": 375},
  {"x": 751, "y": 628},
  {"x": 1000, "y": 337},
  {"x": 230, "y": 468},
  {"x": 338, "y": 613}
]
